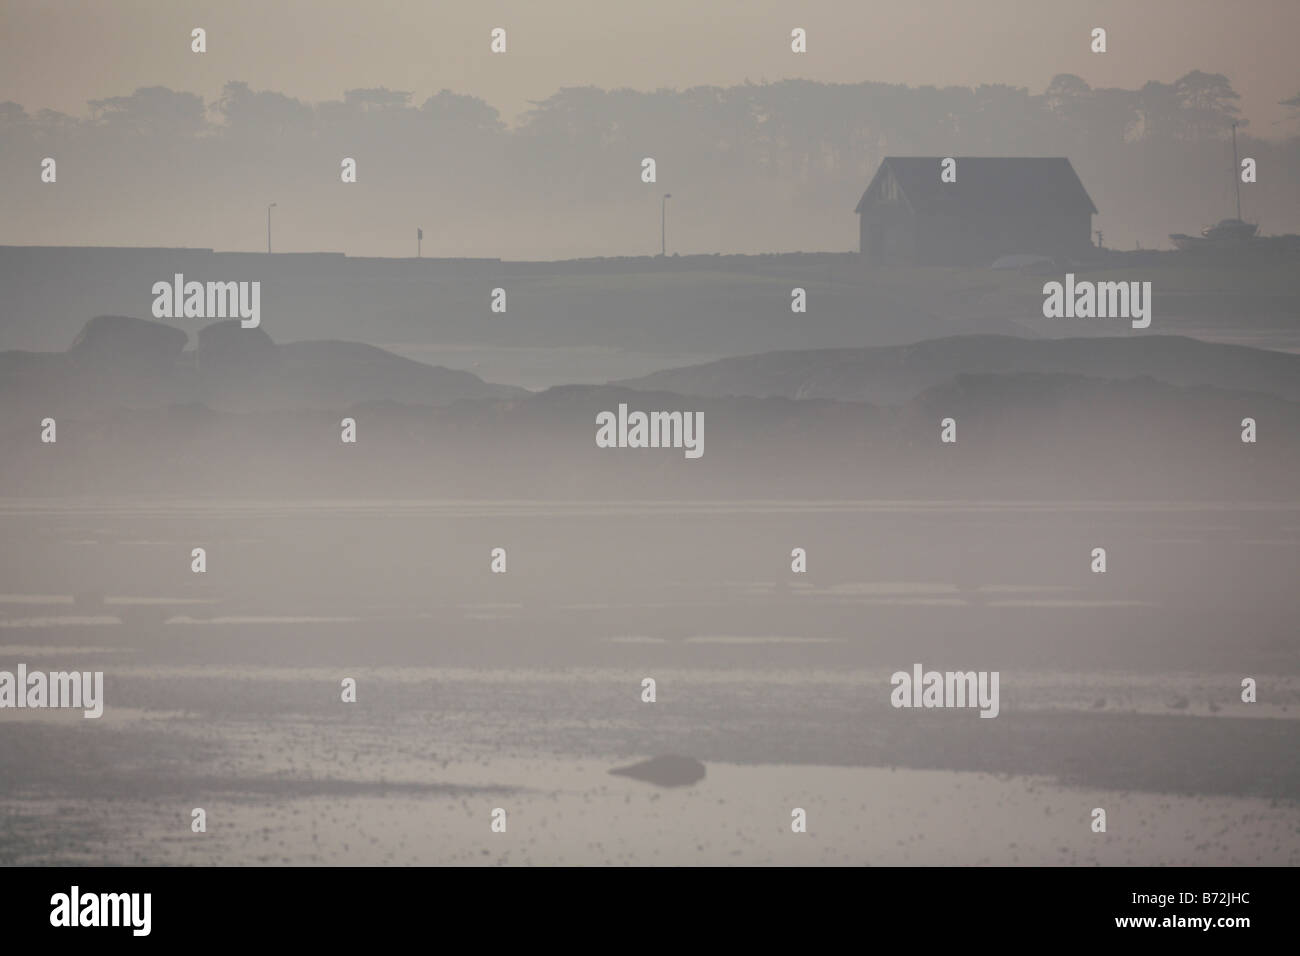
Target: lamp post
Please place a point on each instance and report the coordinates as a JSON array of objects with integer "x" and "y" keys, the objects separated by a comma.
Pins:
[
  {"x": 268, "y": 227},
  {"x": 663, "y": 224},
  {"x": 1237, "y": 169}
]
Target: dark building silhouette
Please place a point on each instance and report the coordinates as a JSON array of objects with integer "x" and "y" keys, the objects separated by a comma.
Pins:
[{"x": 996, "y": 206}]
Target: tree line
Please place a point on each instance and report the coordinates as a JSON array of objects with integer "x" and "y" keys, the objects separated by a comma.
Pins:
[{"x": 1152, "y": 157}]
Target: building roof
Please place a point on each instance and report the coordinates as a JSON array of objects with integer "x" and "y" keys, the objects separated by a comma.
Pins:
[{"x": 985, "y": 184}]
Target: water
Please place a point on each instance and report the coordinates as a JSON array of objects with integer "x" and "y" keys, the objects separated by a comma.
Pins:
[{"x": 520, "y": 690}]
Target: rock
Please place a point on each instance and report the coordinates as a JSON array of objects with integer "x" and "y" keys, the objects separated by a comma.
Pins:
[
  {"x": 664, "y": 771},
  {"x": 121, "y": 337},
  {"x": 228, "y": 349}
]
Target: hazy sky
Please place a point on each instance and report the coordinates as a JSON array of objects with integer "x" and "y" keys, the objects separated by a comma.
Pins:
[{"x": 60, "y": 53}]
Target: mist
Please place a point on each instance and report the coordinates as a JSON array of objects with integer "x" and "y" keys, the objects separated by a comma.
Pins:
[{"x": 752, "y": 168}]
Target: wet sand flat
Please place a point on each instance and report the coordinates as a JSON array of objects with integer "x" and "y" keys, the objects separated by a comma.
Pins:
[{"x": 521, "y": 691}]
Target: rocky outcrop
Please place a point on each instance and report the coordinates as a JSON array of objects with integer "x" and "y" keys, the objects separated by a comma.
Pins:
[{"x": 122, "y": 338}]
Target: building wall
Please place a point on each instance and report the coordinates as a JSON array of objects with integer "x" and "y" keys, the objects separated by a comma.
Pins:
[{"x": 889, "y": 233}]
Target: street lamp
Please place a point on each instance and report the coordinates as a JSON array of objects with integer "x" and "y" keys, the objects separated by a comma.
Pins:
[
  {"x": 663, "y": 219},
  {"x": 268, "y": 227}
]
